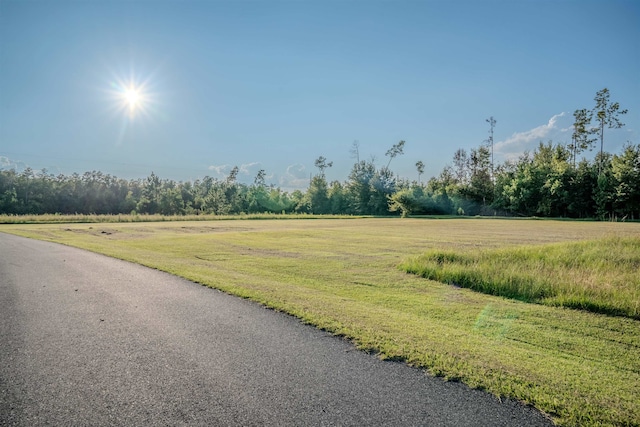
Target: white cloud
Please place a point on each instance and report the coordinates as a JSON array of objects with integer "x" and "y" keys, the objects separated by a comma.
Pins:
[
  {"x": 8, "y": 164},
  {"x": 250, "y": 168},
  {"x": 5, "y": 162},
  {"x": 221, "y": 170},
  {"x": 296, "y": 178},
  {"x": 520, "y": 142},
  {"x": 296, "y": 170}
]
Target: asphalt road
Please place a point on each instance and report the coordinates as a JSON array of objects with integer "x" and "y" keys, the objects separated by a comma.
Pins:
[{"x": 90, "y": 340}]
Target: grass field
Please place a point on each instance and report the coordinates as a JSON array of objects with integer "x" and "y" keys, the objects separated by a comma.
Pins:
[{"x": 343, "y": 275}]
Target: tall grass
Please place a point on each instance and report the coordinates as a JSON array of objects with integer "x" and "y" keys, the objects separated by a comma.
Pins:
[
  {"x": 601, "y": 275},
  {"x": 123, "y": 218}
]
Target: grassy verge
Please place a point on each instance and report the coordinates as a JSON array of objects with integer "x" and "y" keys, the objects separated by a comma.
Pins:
[
  {"x": 93, "y": 218},
  {"x": 581, "y": 368},
  {"x": 601, "y": 275}
]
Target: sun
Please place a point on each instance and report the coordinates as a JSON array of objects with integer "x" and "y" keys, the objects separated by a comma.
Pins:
[{"x": 132, "y": 97}]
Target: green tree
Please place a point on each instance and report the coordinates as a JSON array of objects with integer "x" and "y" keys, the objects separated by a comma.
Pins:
[
  {"x": 338, "y": 198},
  {"x": 383, "y": 185},
  {"x": 405, "y": 201},
  {"x": 557, "y": 185},
  {"x": 479, "y": 190},
  {"x": 170, "y": 202},
  {"x": 279, "y": 201},
  {"x": 420, "y": 169},
  {"x": 150, "y": 199},
  {"x": 359, "y": 186},
  {"x": 318, "y": 195},
  {"x": 504, "y": 175},
  {"x": 625, "y": 170},
  {"x": 299, "y": 201},
  {"x": 444, "y": 193},
  {"x": 322, "y": 164},
  {"x": 605, "y": 190},
  {"x": 521, "y": 194},
  {"x": 8, "y": 193},
  {"x": 318, "y": 192},
  {"x": 128, "y": 204},
  {"x": 232, "y": 194},
  {"x": 606, "y": 113},
  {"x": 461, "y": 166},
  {"x": 187, "y": 193},
  {"x": 581, "y": 196},
  {"x": 580, "y": 139},
  {"x": 259, "y": 180},
  {"x": 233, "y": 175},
  {"x": 394, "y": 151}
]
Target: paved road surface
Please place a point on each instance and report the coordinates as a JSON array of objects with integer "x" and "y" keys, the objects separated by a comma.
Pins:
[{"x": 89, "y": 340}]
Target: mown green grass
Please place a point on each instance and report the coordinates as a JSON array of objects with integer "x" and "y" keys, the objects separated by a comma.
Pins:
[
  {"x": 581, "y": 368},
  {"x": 601, "y": 275}
]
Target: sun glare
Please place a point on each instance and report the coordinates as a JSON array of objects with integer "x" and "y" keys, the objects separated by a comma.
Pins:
[{"x": 132, "y": 97}]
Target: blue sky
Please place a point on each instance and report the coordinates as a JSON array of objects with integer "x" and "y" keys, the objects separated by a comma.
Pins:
[{"x": 274, "y": 84}]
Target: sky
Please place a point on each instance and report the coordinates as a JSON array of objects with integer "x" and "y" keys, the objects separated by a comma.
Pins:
[{"x": 188, "y": 89}]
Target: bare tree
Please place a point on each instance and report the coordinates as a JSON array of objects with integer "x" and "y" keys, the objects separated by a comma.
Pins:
[
  {"x": 355, "y": 151},
  {"x": 492, "y": 124}
]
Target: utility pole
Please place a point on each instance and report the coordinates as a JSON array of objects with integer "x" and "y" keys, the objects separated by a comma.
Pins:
[{"x": 492, "y": 124}]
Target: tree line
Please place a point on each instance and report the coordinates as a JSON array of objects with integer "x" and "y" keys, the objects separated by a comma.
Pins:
[{"x": 548, "y": 182}]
